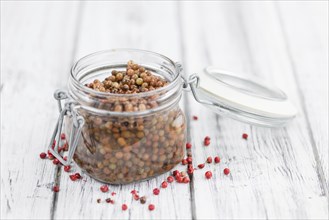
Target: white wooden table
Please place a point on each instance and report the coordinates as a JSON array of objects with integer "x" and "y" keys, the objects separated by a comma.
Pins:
[{"x": 277, "y": 174}]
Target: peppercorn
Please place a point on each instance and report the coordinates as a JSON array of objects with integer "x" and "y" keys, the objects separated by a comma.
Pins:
[
  {"x": 136, "y": 196},
  {"x": 164, "y": 184},
  {"x": 217, "y": 159},
  {"x": 124, "y": 207},
  {"x": 156, "y": 191},
  {"x": 143, "y": 199},
  {"x": 208, "y": 174},
  {"x": 73, "y": 177},
  {"x": 151, "y": 207},
  {"x": 170, "y": 179},
  {"x": 139, "y": 81},
  {"x": 56, "y": 161},
  {"x": 186, "y": 180},
  {"x": 43, "y": 155},
  {"x": 67, "y": 168},
  {"x": 226, "y": 171},
  {"x": 122, "y": 149},
  {"x": 56, "y": 188},
  {"x": 104, "y": 188},
  {"x": 201, "y": 165},
  {"x": 63, "y": 136}
]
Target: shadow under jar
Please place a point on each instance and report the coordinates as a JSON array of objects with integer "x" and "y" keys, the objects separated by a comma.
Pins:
[{"x": 127, "y": 137}]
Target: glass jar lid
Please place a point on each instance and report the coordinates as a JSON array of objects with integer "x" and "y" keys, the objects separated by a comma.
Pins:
[{"x": 246, "y": 99}]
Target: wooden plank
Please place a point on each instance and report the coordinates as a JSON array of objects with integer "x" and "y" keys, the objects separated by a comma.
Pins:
[
  {"x": 149, "y": 26},
  {"x": 306, "y": 36},
  {"x": 36, "y": 47},
  {"x": 274, "y": 173}
]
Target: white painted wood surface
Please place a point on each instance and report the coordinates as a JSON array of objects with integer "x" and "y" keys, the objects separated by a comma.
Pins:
[{"x": 276, "y": 174}]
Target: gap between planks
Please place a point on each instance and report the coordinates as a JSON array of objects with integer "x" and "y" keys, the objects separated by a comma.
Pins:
[
  {"x": 58, "y": 170},
  {"x": 319, "y": 168},
  {"x": 186, "y": 103}
]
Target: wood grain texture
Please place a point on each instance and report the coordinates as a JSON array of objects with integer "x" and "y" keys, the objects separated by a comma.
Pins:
[
  {"x": 274, "y": 173},
  {"x": 277, "y": 173},
  {"x": 36, "y": 47},
  {"x": 308, "y": 55},
  {"x": 106, "y": 26}
]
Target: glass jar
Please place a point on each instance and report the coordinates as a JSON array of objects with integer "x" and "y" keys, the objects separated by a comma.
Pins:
[
  {"x": 127, "y": 137},
  {"x": 122, "y": 138}
]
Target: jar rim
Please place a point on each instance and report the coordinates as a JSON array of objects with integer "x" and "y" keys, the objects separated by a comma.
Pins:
[{"x": 77, "y": 83}]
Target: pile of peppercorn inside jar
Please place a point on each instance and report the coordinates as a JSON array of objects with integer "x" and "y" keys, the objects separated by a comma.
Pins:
[{"x": 122, "y": 112}]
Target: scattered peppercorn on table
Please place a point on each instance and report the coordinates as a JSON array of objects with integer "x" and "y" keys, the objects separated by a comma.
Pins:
[{"x": 226, "y": 169}]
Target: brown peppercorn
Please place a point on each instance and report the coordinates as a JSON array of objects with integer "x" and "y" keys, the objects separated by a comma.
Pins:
[
  {"x": 142, "y": 107},
  {"x": 122, "y": 148},
  {"x": 125, "y": 87},
  {"x": 119, "y": 76},
  {"x": 143, "y": 199},
  {"x": 130, "y": 72},
  {"x": 139, "y": 81},
  {"x": 121, "y": 141},
  {"x": 115, "y": 85},
  {"x": 118, "y": 108},
  {"x": 144, "y": 85}
]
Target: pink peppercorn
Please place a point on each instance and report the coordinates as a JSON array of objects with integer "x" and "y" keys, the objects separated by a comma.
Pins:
[
  {"x": 170, "y": 179},
  {"x": 104, "y": 188},
  {"x": 164, "y": 184},
  {"x": 56, "y": 161},
  {"x": 186, "y": 180},
  {"x": 77, "y": 175},
  {"x": 208, "y": 174},
  {"x": 151, "y": 207},
  {"x": 226, "y": 171},
  {"x": 156, "y": 191},
  {"x": 188, "y": 145},
  {"x": 201, "y": 165},
  {"x": 175, "y": 172},
  {"x": 217, "y": 159},
  {"x": 56, "y": 188},
  {"x": 73, "y": 177},
  {"x": 43, "y": 155},
  {"x": 67, "y": 168},
  {"x": 124, "y": 207}
]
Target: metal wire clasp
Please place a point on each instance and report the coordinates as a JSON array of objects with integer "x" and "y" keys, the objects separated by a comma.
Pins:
[
  {"x": 78, "y": 122},
  {"x": 193, "y": 83}
]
